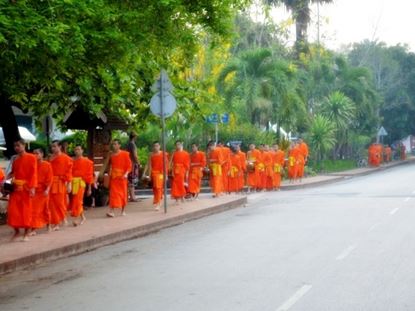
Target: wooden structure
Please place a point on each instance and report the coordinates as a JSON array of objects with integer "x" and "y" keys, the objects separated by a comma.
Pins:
[{"x": 99, "y": 127}]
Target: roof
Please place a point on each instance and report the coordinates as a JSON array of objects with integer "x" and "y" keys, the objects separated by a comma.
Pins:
[{"x": 78, "y": 119}]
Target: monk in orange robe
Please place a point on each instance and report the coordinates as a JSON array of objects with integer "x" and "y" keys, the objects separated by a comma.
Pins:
[
  {"x": 40, "y": 204},
  {"x": 120, "y": 166},
  {"x": 155, "y": 172},
  {"x": 293, "y": 162},
  {"x": 2, "y": 176},
  {"x": 197, "y": 164},
  {"x": 235, "y": 171},
  {"x": 388, "y": 154},
  {"x": 215, "y": 159},
  {"x": 278, "y": 162},
  {"x": 226, "y": 155},
  {"x": 303, "y": 157},
  {"x": 24, "y": 174},
  {"x": 61, "y": 185},
  {"x": 253, "y": 167},
  {"x": 82, "y": 179},
  {"x": 242, "y": 158},
  {"x": 180, "y": 164},
  {"x": 268, "y": 175}
]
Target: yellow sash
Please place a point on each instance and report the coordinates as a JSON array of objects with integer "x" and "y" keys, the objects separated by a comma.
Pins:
[
  {"x": 277, "y": 168},
  {"x": 77, "y": 182},
  {"x": 157, "y": 178},
  {"x": 234, "y": 171},
  {"x": 261, "y": 167},
  {"x": 291, "y": 161},
  {"x": 19, "y": 184},
  {"x": 216, "y": 169}
]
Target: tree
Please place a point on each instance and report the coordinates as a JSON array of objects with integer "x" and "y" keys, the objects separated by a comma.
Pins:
[
  {"x": 300, "y": 10},
  {"x": 97, "y": 54},
  {"x": 321, "y": 136},
  {"x": 341, "y": 111}
]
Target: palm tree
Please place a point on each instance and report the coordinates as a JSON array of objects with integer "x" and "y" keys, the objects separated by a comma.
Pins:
[
  {"x": 251, "y": 83},
  {"x": 321, "y": 136},
  {"x": 340, "y": 110},
  {"x": 300, "y": 10}
]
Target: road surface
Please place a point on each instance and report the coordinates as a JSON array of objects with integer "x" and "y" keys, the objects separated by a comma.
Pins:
[{"x": 345, "y": 246}]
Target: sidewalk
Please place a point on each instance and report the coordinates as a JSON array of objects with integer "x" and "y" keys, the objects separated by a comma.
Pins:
[
  {"x": 100, "y": 230},
  {"x": 141, "y": 220}
]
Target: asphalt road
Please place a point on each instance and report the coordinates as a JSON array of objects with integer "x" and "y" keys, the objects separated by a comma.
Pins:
[{"x": 345, "y": 246}]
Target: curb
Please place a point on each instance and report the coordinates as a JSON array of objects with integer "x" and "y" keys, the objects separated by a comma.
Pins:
[{"x": 128, "y": 234}]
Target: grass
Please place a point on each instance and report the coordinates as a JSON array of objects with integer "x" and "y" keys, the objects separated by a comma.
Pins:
[{"x": 331, "y": 166}]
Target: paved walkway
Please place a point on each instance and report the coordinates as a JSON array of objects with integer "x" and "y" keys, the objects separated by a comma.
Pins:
[{"x": 141, "y": 220}]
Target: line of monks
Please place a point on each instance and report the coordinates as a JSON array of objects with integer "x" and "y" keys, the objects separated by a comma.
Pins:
[
  {"x": 229, "y": 168},
  {"x": 42, "y": 192},
  {"x": 377, "y": 154}
]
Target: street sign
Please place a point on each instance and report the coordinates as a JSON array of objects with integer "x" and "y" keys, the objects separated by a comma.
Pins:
[
  {"x": 169, "y": 104},
  {"x": 163, "y": 83},
  {"x": 225, "y": 118},
  {"x": 213, "y": 118},
  {"x": 382, "y": 132}
]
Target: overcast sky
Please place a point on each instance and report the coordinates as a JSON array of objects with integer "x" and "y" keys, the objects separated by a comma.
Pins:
[{"x": 348, "y": 21}]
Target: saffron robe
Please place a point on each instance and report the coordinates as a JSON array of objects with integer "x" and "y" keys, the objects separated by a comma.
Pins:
[
  {"x": 120, "y": 167},
  {"x": 235, "y": 171},
  {"x": 254, "y": 160},
  {"x": 197, "y": 163},
  {"x": 41, "y": 212},
  {"x": 242, "y": 158},
  {"x": 24, "y": 171},
  {"x": 215, "y": 160},
  {"x": 62, "y": 174},
  {"x": 278, "y": 162},
  {"x": 156, "y": 165},
  {"x": 180, "y": 167},
  {"x": 82, "y": 175},
  {"x": 293, "y": 163}
]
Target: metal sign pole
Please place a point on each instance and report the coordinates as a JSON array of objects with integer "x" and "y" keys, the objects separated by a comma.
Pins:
[{"x": 163, "y": 142}]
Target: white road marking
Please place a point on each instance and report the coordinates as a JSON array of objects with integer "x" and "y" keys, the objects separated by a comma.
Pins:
[
  {"x": 394, "y": 210},
  {"x": 407, "y": 199},
  {"x": 294, "y": 298},
  {"x": 346, "y": 252},
  {"x": 374, "y": 226}
]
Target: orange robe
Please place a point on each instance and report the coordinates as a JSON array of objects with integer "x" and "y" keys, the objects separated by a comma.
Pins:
[
  {"x": 197, "y": 163},
  {"x": 242, "y": 158},
  {"x": 268, "y": 173},
  {"x": 278, "y": 161},
  {"x": 82, "y": 175},
  {"x": 254, "y": 161},
  {"x": 2, "y": 176},
  {"x": 120, "y": 167},
  {"x": 157, "y": 178},
  {"x": 235, "y": 171},
  {"x": 388, "y": 154},
  {"x": 19, "y": 211},
  {"x": 303, "y": 148},
  {"x": 40, "y": 205},
  {"x": 62, "y": 174},
  {"x": 226, "y": 154},
  {"x": 180, "y": 166},
  {"x": 293, "y": 163},
  {"x": 215, "y": 166}
]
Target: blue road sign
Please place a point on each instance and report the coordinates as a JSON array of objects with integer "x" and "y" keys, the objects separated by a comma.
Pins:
[{"x": 225, "y": 118}]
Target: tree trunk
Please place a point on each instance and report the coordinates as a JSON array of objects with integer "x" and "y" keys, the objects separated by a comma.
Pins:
[{"x": 9, "y": 125}]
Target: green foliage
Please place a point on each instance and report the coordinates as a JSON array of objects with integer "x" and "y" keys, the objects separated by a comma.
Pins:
[
  {"x": 321, "y": 136},
  {"x": 78, "y": 138},
  {"x": 332, "y": 166}
]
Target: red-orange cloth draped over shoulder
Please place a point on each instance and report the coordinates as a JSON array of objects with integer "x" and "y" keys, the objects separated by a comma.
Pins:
[
  {"x": 82, "y": 175},
  {"x": 242, "y": 158},
  {"x": 120, "y": 167},
  {"x": 62, "y": 174},
  {"x": 234, "y": 172},
  {"x": 41, "y": 213},
  {"x": 278, "y": 160},
  {"x": 254, "y": 165},
  {"x": 19, "y": 211},
  {"x": 226, "y": 155},
  {"x": 156, "y": 162},
  {"x": 268, "y": 174},
  {"x": 2, "y": 176},
  {"x": 215, "y": 165},
  {"x": 303, "y": 156},
  {"x": 197, "y": 163},
  {"x": 293, "y": 163},
  {"x": 180, "y": 166}
]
